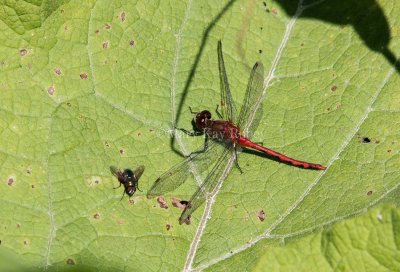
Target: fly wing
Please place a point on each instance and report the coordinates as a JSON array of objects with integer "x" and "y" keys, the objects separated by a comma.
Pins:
[
  {"x": 228, "y": 110},
  {"x": 115, "y": 171},
  {"x": 209, "y": 184},
  {"x": 251, "y": 111},
  {"x": 138, "y": 172},
  {"x": 177, "y": 175}
]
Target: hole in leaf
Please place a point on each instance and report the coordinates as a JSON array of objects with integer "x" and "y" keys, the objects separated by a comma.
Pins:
[{"x": 366, "y": 140}]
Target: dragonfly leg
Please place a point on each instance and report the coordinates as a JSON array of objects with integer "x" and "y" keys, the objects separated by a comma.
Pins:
[
  {"x": 219, "y": 114},
  {"x": 237, "y": 162},
  {"x": 202, "y": 150},
  {"x": 192, "y": 112},
  {"x": 191, "y": 133}
]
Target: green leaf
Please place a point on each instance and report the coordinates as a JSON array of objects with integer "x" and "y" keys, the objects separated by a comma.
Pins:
[
  {"x": 86, "y": 85},
  {"x": 369, "y": 242}
]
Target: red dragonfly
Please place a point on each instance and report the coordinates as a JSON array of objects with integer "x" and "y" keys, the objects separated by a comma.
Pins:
[{"x": 227, "y": 139}]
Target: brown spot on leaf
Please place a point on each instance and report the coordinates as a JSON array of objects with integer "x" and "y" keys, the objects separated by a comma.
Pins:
[
  {"x": 122, "y": 17},
  {"x": 29, "y": 171},
  {"x": 168, "y": 226},
  {"x": 107, "y": 26},
  {"x": 121, "y": 151},
  {"x": 70, "y": 261},
  {"x": 333, "y": 88},
  {"x": 10, "y": 181},
  {"x": 131, "y": 42},
  {"x": 161, "y": 201},
  {"x": 105, "y": 45},
  {"x": 177, "y": 203},
  {"x": 83, "y": 76},
  {"x": 261, "y": 215},
  {"x": 97, "y": 31},
  {"x": 23, "y": 52},
  {"x": 107, "y": 144},
  {"x": 26, "y": 242},
  {"x": 121, "y": 222},
  {"x": 96, "y": 216},
  {"x": 274, "y": 11},
  {"x": 51, "y": 90},
  {"x": 18, "y": 225},
  {"x": 57, "y": 71},
  {"x": 187, "y": 221},
  {"x": 389, "y": 150},
  {"x": 369, "y": 193}
]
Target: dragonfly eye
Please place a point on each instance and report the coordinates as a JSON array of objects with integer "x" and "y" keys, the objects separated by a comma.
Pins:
[{"x": 206, "y": 114}]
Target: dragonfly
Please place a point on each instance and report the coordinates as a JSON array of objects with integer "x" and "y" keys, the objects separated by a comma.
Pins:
[
  {"x": 128, "y": 178},
  {"x": 228, "y": 135}
]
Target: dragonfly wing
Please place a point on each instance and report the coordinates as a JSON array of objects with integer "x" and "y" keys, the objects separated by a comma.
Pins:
[
  {"x": 177, "y": 175},
  {"x": 209, "y": 184},
  {"x": 228, "y": 110},
  {"x": 251, "y": 111}
]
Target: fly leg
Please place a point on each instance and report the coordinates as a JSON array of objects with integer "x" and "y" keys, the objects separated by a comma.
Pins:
[
  {"x": 122, "y": 195},
  {"x": 118, "y": 186}
]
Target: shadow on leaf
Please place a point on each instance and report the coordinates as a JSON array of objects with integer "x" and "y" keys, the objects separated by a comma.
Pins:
[
  {"x": 194, "y": 67},
  {"x": 366, "y": 17}
]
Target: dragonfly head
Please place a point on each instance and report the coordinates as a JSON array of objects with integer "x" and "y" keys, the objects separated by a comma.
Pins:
[{"x": 202, "y": 119}]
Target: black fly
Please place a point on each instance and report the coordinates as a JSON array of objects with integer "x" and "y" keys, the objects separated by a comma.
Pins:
[{"x": 128, "y": 178}]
